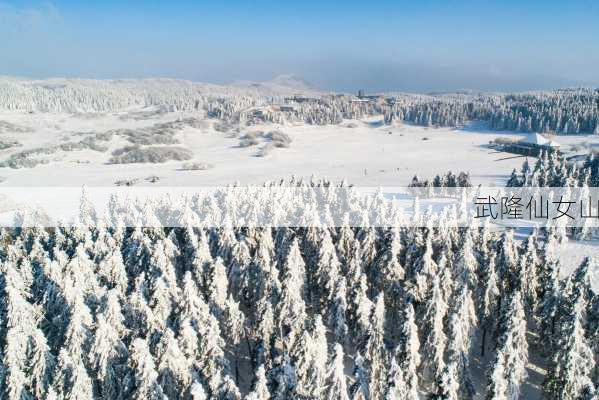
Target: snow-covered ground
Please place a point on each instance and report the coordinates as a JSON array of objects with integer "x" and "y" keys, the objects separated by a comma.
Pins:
[{"x": 364, "y": 152}]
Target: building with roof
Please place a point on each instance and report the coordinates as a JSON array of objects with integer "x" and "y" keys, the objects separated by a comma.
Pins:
[{"x": 532, "y": 145}]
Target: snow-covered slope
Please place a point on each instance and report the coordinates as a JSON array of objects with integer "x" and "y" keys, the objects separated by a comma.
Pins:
[{"x": 363, "y": 151}]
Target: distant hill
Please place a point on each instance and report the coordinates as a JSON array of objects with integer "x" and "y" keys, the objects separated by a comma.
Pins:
[{"x": 281, "y": 84}]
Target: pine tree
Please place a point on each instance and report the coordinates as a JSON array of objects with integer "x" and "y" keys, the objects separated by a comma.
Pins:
[
  {"x": 112, "y": 271},
  {"x": 71, "y": 378},
  {"x": 197, "y": 392},
  {"x": 408, "y": 354},
  {"x": 210, "y": 356},
  {"x": 509, "y": 367},
  {"x": 435, "y": 339},
  {"x": 291, "y": 309},
  {"x": 548, "y": 313},
  {"x": 374, "y": 350},
  {"x": 336, "y": 386},
  {"x": 144, "y": 382},
  {"x": 284, "y": 378},
  {"x": 579, "y": 286},
  {"x": 310, "y": 359},
  {"x": 326, "y": 273},
  {"x": 466, "y": 264},
  {"x": 506, "y": 261},
  {"x": 87, "y": 211},
  {"x": 173, "y": 367},
  {"x": 336, "y": 313},
  {"x": 447, "y": 384},
  {"x": 388, "y": 271},
  {"x": 462, "y": 323},
  {"x": 488, "y": 299},
  {"x": 528, "y": 273},
  {"x": 360, "y": 388},
  {"x": 395, "y": 387},
  {"x": 260, "y": 278},
  {"x": 107, "y": 357},
  {"x": 571, "y": 372},
  {"x": 137, "y": 311},
  {"x": 345, "y": 243},
  {"x": 26, "y": 356},
  {"x": 425, "y": 269},
  {"x": 368, "y": 252},
  {"x": 514, "y": 180},
  {"x": 228, "y": 389},
  {"x": 359, "y": 309},
  {"x": 137, "y": 251},
  {"x": 260, "y": 387},
  {"x": 217, "y": 286},
  {"x": 233, "y": 323}
]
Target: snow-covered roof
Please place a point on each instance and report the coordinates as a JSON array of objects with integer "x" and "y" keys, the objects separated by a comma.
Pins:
[{"x": 539, "y": 140}]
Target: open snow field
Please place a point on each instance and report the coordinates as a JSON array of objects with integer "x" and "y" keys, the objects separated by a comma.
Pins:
[{"x": 365, "y": 152}]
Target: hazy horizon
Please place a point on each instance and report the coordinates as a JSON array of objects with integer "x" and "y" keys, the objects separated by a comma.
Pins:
[{"x": 383, "y": 46}]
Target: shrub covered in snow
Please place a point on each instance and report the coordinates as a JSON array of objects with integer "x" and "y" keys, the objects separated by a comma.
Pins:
[
  {"x": 271, "y": 139},
  {"x": 7, "y": 144},
  {"x": 250, "y": 139},
  {"x": 7, "y": 127},
  {"x": 278, "y": 138},
  {"x": 154, "y": 154},
  {"x": 126, "y": 182},
  {"x": 196, "y": 166},
  {"x": 29, "y": 158},
  {"x": 148, "y": 136}
]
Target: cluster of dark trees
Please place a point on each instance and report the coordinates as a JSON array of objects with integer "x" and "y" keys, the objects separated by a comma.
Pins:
[
  {"x": 445, "y": 181},
  {"x": 443, "y": 110},
  {"x": 552, "y": 169},
  {"x": 564, "y": 112},
  {"x": 291, "y": 313}
]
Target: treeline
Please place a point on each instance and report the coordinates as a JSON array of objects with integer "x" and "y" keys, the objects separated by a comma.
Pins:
[
  {"x": 256, "y": 313},
  {"x": 443, "y": 110},
  {"x": 574, "y": 111},
  {"x": 567, "y": 111},
  {"x": 564, "y": 112},
  {"x": 102, "y": 96}
]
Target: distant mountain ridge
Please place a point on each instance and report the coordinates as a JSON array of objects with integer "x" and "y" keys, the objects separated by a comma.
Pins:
[{"x": 281, "y": 83}]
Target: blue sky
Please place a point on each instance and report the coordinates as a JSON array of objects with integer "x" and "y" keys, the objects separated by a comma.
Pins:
[{"x": 341, "y": 45}]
